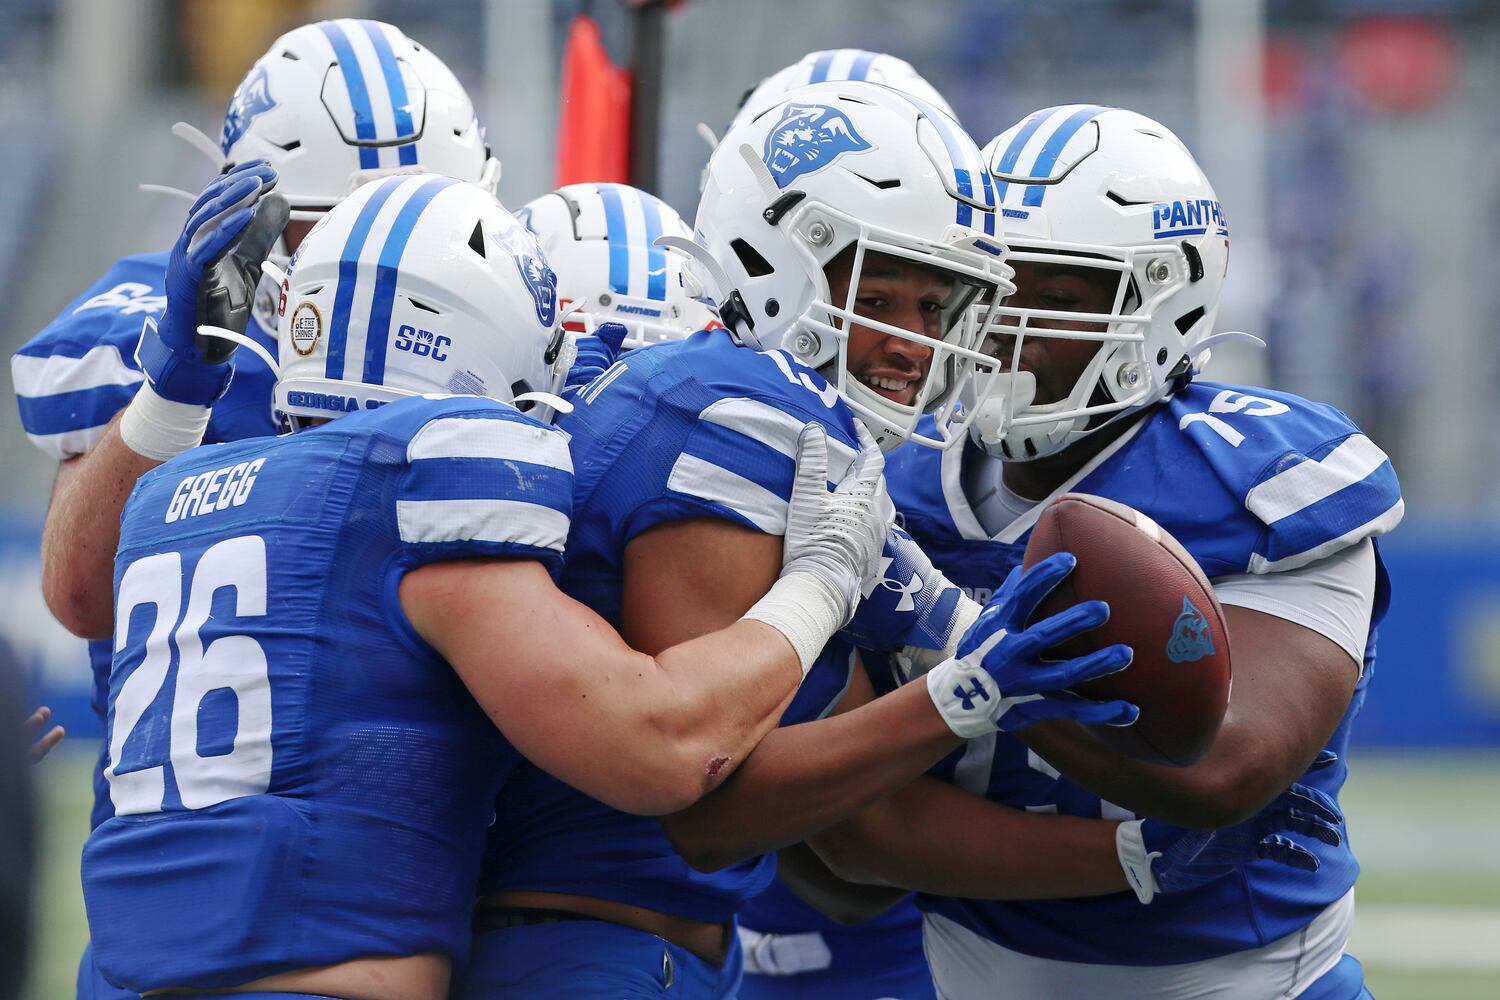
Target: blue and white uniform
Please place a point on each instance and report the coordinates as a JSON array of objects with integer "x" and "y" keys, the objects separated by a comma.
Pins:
[
  {"x": 298, "y": 779},
  {"x": 1270, "y": 493},
  {"x": 80, "y": 370},
  {"x": 793, "y": 952},
  {"x": 699, "y": 428}
]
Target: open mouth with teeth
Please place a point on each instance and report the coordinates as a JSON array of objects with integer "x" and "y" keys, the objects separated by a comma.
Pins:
[{"x": 897, "y": 390}]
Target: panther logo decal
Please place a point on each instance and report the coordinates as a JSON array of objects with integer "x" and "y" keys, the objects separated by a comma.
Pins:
[
  {"x": 252, "y": 98},
  {"x": 541, "y": 280},
  {"x": 1191, "y": 639},
  {"x": 808, "y": 138}
]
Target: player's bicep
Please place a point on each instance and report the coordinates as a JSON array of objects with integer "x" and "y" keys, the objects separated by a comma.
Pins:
[
  {"x": 684, "y": 579},
  {"x": 513, "y": 638},
  {"x": 1291, "y": 687}
]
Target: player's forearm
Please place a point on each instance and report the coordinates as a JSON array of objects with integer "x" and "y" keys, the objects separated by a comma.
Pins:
[
  {"x": 847, "y": 903},
  {"x": 932, "y": 837},
  {"x": 719, "y": 695},
  {"x": 82, "y": 531},
  {"x": 1229, "y": 785},
  {"x": 802, "y": 778}
]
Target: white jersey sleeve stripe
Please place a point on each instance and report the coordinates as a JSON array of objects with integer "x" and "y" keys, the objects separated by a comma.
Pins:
[
  {"x": 775, "y": 429},
  {"x": 510, "y": 521},
  {"x": 55, "y": 374},
  {"x": 1372, "y": 528},
  {"x": 701, "y": 478},
  {"x": 501, "y": 439},
  {"x": 1310, "y": 481}
]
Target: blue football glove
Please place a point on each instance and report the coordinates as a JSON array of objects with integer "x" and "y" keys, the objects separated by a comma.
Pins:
[
  {"x": 596, "y": 353},
  {"x": 1162, "y": 858},
  {"x": 180, "y": 366},
  {"x": 1000, "y": 678},
  {"x": 908, "y": 603}
]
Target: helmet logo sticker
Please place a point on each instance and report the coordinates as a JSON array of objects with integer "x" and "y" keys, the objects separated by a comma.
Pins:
[
  {"x": 252, "y": 97},
  {"x": 307, "y": 327},
  {"x": 540, "y": 279},
  {"x": 808, "y": 138},
  {"x": 1192, "y": 217},
  {"x": 1190, "y": 640}
]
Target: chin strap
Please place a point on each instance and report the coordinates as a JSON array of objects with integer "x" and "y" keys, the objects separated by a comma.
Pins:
[{"x": 204, "y": 330}]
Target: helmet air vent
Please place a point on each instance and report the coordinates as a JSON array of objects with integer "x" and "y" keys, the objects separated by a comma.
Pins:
[
  {"x": 884, "y": 185},
  {"x": 423, "y": 306},
  {"x": 754, "y": 264},
  {"x": 1187, "y": 320},
  {"x": 289, "y": 54},
  {"x": 1122, "y": 201},
  {"x": 476, "y": 240}
]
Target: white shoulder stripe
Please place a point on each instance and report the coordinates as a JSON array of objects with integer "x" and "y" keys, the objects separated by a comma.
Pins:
[
  {"x": 1307, "y": 482},
  {"x": 478, "y": 437},
  {"x": 50, "y": 376},
  {"x": 512, "y": 521},
  {"x": 773, "y": 428},
  {"x": 700, "y": 478},
  {"x": 1370, "y": 529}
]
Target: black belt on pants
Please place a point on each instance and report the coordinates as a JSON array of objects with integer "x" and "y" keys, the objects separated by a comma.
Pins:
[{"x": 504, "y": 917}]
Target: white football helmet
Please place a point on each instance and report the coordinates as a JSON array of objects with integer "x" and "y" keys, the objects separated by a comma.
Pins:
[
  {"x": 414, "y": 285},
  {"x": 841, "y": 165},
  {"x": 601, "y": 241},
  {"x": 334, "y": 104},
  {"x": 1106, "y": 189},
  {"x": 834, "y": 65}
]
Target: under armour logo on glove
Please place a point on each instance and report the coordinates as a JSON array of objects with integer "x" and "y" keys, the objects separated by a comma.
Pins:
[{"x": 967, "y": 697}]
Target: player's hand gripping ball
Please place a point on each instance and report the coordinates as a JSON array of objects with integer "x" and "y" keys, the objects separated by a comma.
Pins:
[{"x": 1161, "y": 605}]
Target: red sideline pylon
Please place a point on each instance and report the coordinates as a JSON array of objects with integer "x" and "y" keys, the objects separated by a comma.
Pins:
[{"x": 593, "y": 131}]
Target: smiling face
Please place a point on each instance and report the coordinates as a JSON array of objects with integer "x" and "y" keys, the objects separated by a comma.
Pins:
[
  {"x": 902, "y": 294},
  {"x": 1056, "y": 364}
]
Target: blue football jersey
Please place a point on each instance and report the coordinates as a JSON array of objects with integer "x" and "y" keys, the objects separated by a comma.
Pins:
[
  {"x": 298, "y": 779},
  {"x": 700, "y": 428},
  {"x": 1249, "y": 481},
  {"x": 79, "y": 371}
]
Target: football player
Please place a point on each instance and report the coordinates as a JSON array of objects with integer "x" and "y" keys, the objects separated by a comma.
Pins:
[
  {"x": 1120, "y": 248},
  {"x": 791, "y": 949},
  {"x": 845, "y": 240},
  {"x": 317, "y": 634},
  {"x": 601, "y": 241},
  {"x": 328, "y": 105}
]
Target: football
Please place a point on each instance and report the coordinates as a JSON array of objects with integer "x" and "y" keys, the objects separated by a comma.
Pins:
[{"x": 1161, "y": 605}]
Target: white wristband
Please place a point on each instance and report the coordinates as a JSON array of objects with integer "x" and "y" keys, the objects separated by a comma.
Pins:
[
  {"x": 1134, "y": 858},
  {"x": 806, "y": 609},
  {"x": 160, "y": 428}
]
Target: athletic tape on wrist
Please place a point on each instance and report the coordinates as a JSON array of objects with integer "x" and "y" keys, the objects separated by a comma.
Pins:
[
  {"x": 161, "y": 429},
  {"x": 806, "y": 609}
]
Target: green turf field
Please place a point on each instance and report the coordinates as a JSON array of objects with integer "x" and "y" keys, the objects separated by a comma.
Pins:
[{"x": 1429, "y": 903}]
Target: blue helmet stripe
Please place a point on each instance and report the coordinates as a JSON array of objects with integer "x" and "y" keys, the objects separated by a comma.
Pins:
[
  {"x": 656, "y": 257},
  {"x": 1013, "y": 152},
  {"x": 396, "y": 88},
  {"x": 989, "y": 197},
  {"x": 359, "y": 96},
  {"x": 1047, "y": 158},
  {"x": 386, "y": 272},
  {"x": 614, "y": 231},
  {"x": 343, "y": 296},
  {"x": 951, "y": 142},
  {"x": 822, "y": 65},
  {"x": 861, "y": 67}
]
